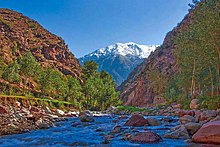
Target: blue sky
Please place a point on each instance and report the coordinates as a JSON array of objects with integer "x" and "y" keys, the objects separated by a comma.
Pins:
[{"x": 87, "y": 25}]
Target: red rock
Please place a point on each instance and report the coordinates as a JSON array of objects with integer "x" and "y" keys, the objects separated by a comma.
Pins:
[
  {"x": 146, "y": 137},
  {"x": 136, "y": 120},
  {"x": 122, "y": 117},
  {"x": 209, "y": 133},
  {"x": 3, "y": 110},
  {"x": 34, "y": 109},
  {"x": 177, "y": 106},
  {"x": 181, "y": 113}
]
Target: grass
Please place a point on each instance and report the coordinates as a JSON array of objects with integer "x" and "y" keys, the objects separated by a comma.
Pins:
[
  {"x": 48, "y": 101},
  {"x": 130, "y": 109},
  {"x": 208, "y": 102}
]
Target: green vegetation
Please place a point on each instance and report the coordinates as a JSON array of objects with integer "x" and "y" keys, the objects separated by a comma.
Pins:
[
  {"x": 99, "y": 88},
  {"x": 11, "y": 73},
  {"x": 130, "y": 109},
  {"x": 198, "y": 56},
  {"x": 36, "y": 101},
  {"x": 6, "y": 23},
  {"x": 96, "y": 93}
]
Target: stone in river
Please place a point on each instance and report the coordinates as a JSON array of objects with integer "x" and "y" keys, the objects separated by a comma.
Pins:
[
  {"x": 136, "y": 120},
  {"x": 209, "y": 133},
  {"x": 146, "y": 137}
]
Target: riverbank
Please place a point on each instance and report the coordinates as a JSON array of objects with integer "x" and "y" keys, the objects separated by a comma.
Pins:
[
  {"x": 175, "y": 123},
  {"x": 198, "y": 126},
  {"x": 18, "y": 118}
]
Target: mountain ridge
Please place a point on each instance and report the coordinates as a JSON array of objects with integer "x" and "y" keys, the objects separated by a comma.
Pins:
[{"x": 119, "y": 59}]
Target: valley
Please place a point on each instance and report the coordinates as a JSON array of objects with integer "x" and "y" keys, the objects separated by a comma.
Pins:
[{"x": 125, "y": 94}]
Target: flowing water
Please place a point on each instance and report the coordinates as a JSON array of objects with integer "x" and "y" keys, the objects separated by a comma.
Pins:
[{"x": 86, "y": 134}]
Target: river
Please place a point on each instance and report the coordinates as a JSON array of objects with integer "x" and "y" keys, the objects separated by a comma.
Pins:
[{"x": 88, "y": 134}]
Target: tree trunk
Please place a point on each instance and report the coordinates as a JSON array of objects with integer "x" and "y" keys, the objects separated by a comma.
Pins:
[
  {"x": 212, "y": 83},
  {"x": 217, "y": 80},
  {"x": 193, "y": 82}
]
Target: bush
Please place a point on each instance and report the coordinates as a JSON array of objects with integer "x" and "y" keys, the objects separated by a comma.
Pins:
[
  {"x": 130, "y": 109},
  {"x": 208, "y": 102}
]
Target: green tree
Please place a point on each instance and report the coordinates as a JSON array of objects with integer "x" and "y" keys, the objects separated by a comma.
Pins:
[
  {"x": 197, "y": 52},
  {"x": 2, "y": 66},
  {"x": 53, "y": 83},
  {"x": 11, "y": 72},
  {"x": 90, "y": 68},
  {"x": 110, "y": 96},
  {"x": 74, "y": 94}
]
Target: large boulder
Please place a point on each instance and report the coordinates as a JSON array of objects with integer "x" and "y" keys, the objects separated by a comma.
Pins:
[
  {"x": 153, "y": 122},
  {"x": 209, "y": 133},
  {"x": 178, "y": 132},
  {"x": 194, "y": 104},
  {"x": 136, "y": 120},
  {"x": 3, "y": 110},
  {"x": 192, "y": 128},
  {"x": 146, "y": 137}
]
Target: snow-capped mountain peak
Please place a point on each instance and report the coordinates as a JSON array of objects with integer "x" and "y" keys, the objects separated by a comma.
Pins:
[
  {"x": 123, "y": 49},
  {"x": 119, "y": 59}
]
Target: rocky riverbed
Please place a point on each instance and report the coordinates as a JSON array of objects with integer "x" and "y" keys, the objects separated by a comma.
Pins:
[
  {"x": 97, "y": 129},
  {"x": 16, "y": 119},
  {"x": 168, "y": 126}
]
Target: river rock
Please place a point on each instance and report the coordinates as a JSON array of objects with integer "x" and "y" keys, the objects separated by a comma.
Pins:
[
  {"x": 86, "y": 118},
  {"x": 168, "y": 119},
  {"x": 116, "y": 129},
  {"x": 217, "y": 118},
  {"x": 208, "y": 133},
  {"x": 3, "y": 110},
  {"x": 153, "y": 122},
  {"x": 122, "y": 117},
  {"x": 192, "y": 128},
  {"x": 34, "y": 109},
  {"x": 197, "y": 115},
  {"x": 186, "y": 119},
  {"x": 186, "y": 112},
  {"x": 194, "y": 104},
  {"x": 60, "y": 112},
  {"x": 178, "y": 132},
  {"x": 208, "y": 115},
  {"x": 136, "y": 120},
  {"x": 146, "y": 137},
  {"x": 176, "y": 106},
  {"x": 126, "y": 136}
]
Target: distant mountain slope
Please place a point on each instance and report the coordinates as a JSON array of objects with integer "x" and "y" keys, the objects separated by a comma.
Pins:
[
  {"x": 119, "y": 59},
  {"x": 19, "y": 34}
]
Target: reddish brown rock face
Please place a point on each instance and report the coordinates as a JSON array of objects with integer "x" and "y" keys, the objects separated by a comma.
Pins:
[
  {"x": 208, "y": 133},
  {"x": 18, "y": 34},
  {"x": 136, "y": 120},
  {"x": 138, "y": 89},
  {"x": 3, "y": 110},
  {"x": 146, "y": 137}
]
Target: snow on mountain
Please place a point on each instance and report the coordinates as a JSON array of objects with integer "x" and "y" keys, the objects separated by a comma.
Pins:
[
  {"x": 119, "y": 59},
  {"x": 141, "y": 51}
]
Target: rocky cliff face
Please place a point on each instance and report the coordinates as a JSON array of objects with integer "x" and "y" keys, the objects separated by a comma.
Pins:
[
  {"x": 18, "y": 34},
  {"x": 138, "y": 89}
]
